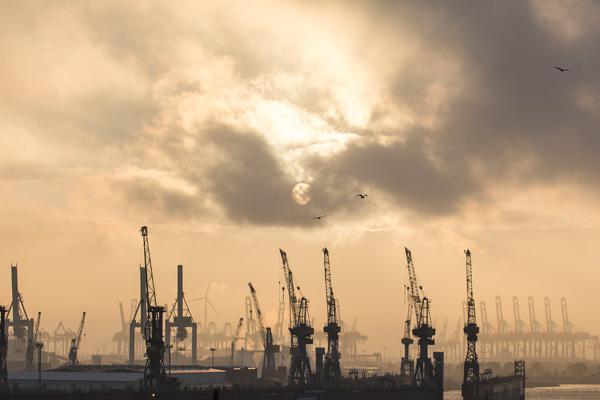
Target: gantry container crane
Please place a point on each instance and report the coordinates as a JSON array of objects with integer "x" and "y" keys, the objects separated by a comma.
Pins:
[{"x": 269, "y": 369}]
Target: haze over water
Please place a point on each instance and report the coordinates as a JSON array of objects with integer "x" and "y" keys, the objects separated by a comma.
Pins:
[{"x": 563, "y": 392}]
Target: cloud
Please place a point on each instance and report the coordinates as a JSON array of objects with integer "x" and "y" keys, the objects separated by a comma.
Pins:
[{"x": 429, "y": 106}]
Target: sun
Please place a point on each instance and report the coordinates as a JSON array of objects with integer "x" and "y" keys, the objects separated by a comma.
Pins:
[{"x": 301, "y": 193}]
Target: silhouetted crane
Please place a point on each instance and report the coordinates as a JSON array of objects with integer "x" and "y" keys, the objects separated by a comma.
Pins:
[
  {"x": 331, "y": 369},
  {"x": 471, "y": 366},
  {"x": 300, "y": 330},
  {"x": 154, "y": 371},
  {"x": 75, "y": 342},
  {"x": 269, "y": 369},
  {"x": 424, "y": 374}
]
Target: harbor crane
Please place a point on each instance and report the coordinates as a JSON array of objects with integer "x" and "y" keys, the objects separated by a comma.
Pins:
[
  {"x": 236, "y": 336},
  {"x": 424, "y": 373},
  {"x": 331, "y": 368},
  {"x": 154, "y": 371},
  {"x": 3, "y": 346},
  {"x": 471, "y": 366},
  {"x": 269, "y": 369},
  {"x": 75, "y": 343},
  {"x": 300, "y": 329}
]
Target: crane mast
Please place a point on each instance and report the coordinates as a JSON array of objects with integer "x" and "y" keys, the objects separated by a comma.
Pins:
[
  {"x": 75, "y": 342},
  {"x": 268, "y": 369},
  {"x": 471, "y": 330},
  {"x": 407, "y": 366},
  {"x": 414, "y": 288},
  {"x": 154, "y": 371},
  {"x": 331, "y": 371},
  {"x": 300, "y": 330}
]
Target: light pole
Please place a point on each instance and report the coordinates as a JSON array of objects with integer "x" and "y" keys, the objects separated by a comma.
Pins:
[
  {"x": 39, "y": 346},
  {"x": 212, "y": 354}
]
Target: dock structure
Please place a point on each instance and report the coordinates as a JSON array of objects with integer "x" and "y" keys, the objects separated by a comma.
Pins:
[{"x": 529, "y": 340}]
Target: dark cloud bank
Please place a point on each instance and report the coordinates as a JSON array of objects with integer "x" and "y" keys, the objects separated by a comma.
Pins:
[{"x": 517, "y": 119}]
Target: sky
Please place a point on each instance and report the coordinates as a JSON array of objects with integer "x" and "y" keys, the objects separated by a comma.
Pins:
[{"x": 227, "y": 129}]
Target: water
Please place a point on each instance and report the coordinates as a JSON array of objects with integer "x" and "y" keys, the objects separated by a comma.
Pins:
[{"x": 562, "y": 392}]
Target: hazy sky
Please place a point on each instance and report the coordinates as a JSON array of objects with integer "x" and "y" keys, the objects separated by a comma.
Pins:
[{"x": 198, "y": 120}]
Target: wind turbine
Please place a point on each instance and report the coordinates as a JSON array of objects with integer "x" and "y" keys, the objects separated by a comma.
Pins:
[{"x": 207, "y": 303}]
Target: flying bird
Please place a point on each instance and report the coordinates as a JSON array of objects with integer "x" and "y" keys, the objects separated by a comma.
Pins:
[
  {"x": 320, "y": 216},
  {"x": 561, "y": 69},
  {"x": 362, "y": 195}
]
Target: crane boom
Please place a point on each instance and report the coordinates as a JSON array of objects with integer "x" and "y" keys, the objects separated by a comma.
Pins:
[
  {"x": 150, "y": 288},
  {"x": 415, "y": 289},
  {"x": 470, "y": 298},
  {"x": 331, "y": 308},
  {"x": 289, "y": 279},
  {"x": 259, "y": 314}
]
